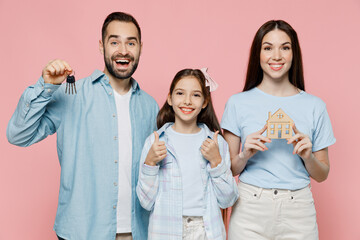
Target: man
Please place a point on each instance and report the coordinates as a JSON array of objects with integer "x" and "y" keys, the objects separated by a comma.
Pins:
[{"x": 100, "y": 134}]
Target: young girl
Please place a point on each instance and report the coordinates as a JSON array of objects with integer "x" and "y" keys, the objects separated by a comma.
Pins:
[
  {"x": 185, "y": 176},
  {"x": 275, "y": 198}
]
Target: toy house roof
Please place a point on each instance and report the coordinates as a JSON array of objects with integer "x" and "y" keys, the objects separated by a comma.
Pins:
[{"x": 275, "y": 117}]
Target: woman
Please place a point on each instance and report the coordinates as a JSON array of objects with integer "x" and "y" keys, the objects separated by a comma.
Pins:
[{"x": 275, "y": 198}]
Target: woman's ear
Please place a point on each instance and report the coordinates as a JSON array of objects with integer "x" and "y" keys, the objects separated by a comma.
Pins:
[{"x": 169, "y": 99}]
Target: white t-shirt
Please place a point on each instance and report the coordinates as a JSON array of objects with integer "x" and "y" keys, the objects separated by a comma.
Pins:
[
  {"x": 125, "y": 160},
  {"x": 187, "y": 149}
]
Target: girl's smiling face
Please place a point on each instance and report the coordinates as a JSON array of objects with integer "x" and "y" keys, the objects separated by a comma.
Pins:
[
  {"x": 276, "y": 55},
  {"x": 187, "y": 101}
]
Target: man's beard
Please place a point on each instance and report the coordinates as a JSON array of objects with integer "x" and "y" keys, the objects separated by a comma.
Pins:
[{"x": 119, "y": 75}]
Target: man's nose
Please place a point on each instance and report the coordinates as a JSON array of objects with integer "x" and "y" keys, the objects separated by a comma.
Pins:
[{"x": 123, "y": 49}]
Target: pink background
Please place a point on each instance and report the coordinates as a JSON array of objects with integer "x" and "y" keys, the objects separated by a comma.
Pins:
[{"x": 177, "y": 34}]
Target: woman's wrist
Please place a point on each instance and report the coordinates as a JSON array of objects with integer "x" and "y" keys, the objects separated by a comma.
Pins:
[{"x": 242, "y": 157}]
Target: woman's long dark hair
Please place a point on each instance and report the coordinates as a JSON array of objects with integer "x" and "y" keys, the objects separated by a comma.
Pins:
[
  {"x": 254, "y": 73},
  {"x": 207, "y": 115}
]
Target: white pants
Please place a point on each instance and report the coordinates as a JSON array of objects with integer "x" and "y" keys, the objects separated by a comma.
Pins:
[
  {"x": 193, "y": 228},
  {"x": 273, "y": 214}
]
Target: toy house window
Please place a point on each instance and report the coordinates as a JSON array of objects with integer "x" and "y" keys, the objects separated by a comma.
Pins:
[
  {"x": 272, "y": 125},
  {"x": 279, "y": 126},
  {"x": 272, "y": 131},
  {"x": 287, "y": 131},
  {"x": 287, "y": 126}
]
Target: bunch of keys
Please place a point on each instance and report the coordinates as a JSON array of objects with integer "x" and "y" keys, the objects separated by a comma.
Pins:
[{"x": 70, "y": 84}]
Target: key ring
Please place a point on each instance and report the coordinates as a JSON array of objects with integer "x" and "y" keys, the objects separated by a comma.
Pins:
[{"x": 70, "y": 84}]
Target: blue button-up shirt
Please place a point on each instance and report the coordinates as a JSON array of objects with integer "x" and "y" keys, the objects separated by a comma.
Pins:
[{"x": 87, "y": 145}]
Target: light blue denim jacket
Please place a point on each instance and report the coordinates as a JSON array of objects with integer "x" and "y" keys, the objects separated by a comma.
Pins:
[
  {"x": 160, "y": 190},
  {"x": 87, "y": 134}
]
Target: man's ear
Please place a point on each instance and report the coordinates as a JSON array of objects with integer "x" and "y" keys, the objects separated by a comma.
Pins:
[
  {"x": 101, "y": 47},
  {"x": 169, "y": 100},
  {"x": 141, "y": 46}
]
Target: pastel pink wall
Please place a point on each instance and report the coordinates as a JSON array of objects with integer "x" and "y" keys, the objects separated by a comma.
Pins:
[{"x": 177, "y": 34}]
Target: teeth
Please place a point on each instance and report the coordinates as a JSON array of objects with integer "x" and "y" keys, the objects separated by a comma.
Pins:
[
  {"x": 122, "y": 61},
  {"x": 276, "y": 66}
]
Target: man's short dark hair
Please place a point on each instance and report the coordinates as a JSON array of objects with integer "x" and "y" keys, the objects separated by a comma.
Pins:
[{"x": 122, "y": 17}]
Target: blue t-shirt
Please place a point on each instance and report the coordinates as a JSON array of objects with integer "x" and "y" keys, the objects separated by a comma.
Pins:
[
  {"x": 247, "y": 112},
  {"x": 187, "y": 147}
]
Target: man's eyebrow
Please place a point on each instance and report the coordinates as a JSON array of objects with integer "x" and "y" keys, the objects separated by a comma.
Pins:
[
  {"x": 132, "y": 38},
  {"x": 118, "y": 36},
  {"x": 113, "y": 36}
]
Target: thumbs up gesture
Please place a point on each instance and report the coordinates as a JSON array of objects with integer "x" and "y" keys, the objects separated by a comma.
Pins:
[
  {"x": 210, "y": 150},
  {"x": 157, "y": 152}
]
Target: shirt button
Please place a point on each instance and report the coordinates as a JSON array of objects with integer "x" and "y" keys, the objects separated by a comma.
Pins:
[
  {"x": 49, "y": 90},
  {"x": 27, "y": 105},
  {"x": 114, "y": 115},
  {"x": 116, "y": 161},
  {"x": 110, "y": 93},
  {"x": 115, "y": 183},
  {"x": 115, "y": 138},
  {"x": 114, "y": 207}
]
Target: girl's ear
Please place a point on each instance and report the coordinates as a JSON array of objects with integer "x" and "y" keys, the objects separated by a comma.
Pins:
[
  {"x": 205, "y": 104},
  {"x": 169, "y": 99}
]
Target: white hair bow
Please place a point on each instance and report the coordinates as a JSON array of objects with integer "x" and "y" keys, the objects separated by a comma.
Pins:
[{"x": 209, "y": 82}]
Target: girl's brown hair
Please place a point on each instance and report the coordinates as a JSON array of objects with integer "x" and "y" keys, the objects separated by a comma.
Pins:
[{"x": 207, "y": 115}]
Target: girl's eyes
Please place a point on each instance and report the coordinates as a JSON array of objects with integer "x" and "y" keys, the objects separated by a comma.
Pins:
[
  {"x": 267, "y": 48},
  {"x": 195, "y": 94},
  {"x": 286, "y": 48}
]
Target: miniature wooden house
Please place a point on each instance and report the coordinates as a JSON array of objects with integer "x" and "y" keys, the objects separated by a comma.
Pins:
[{"x": 279, "y": 125}]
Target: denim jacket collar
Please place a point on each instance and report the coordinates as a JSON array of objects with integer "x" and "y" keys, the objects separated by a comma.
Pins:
[{"x": 162, "y": 130}]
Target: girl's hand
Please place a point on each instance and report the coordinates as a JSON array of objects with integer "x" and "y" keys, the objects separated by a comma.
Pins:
[
  {"x": 253, "y": 143},
  {"x": 210, "y": 150},
  {"x": 157, "y": 151},
  {"x": 302, "y": 144}
]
